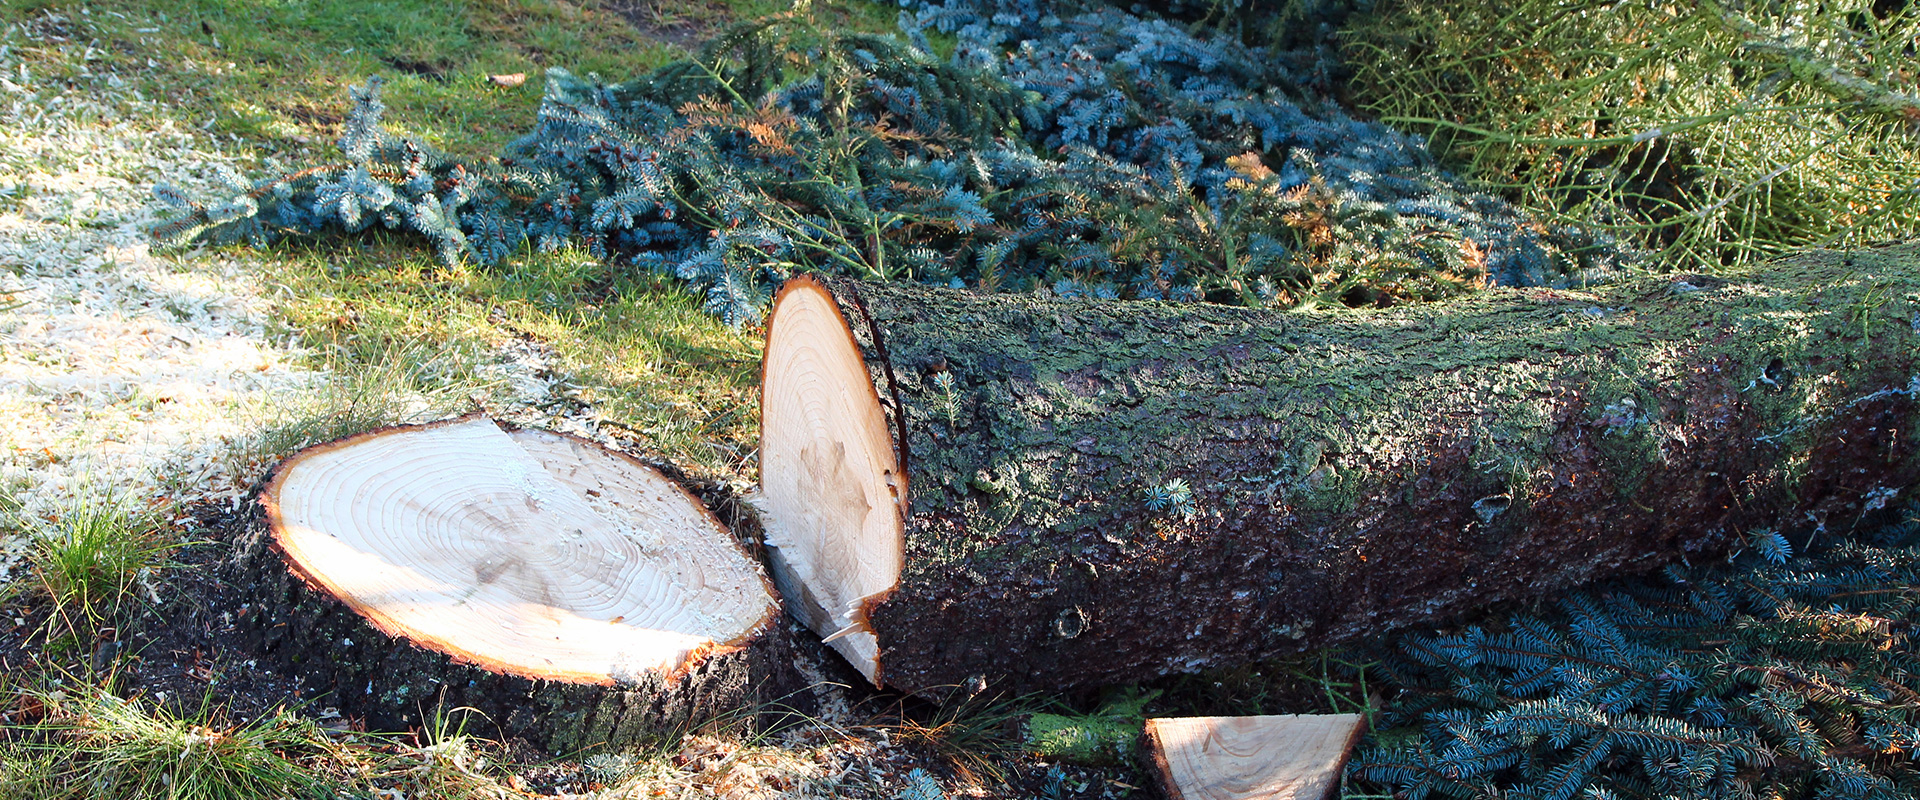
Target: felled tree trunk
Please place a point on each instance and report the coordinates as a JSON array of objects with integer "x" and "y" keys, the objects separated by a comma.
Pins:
[
  {"x": 1043, "y": 492},
  {"x": 570, "y": 595}
]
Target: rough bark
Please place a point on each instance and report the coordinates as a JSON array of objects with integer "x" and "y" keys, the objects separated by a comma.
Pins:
[
  {"x": 1353, "y": 472},
  {"x": 388, "y": 682}
]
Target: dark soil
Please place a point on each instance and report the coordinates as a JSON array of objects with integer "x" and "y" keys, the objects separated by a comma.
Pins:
[{"x": 685, "y": 24}]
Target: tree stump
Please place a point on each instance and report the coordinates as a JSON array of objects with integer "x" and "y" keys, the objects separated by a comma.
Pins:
[
  {"x": 571, "y": 594},
  {"x": 1039, "y": 492}
]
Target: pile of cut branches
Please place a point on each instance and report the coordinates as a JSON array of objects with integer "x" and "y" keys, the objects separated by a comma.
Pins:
[{"x": 1099, "y": 154}]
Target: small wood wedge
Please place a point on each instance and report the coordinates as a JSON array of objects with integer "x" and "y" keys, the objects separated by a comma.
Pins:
[
  {"x": 1286, "y": 757},
  {"x": 572, "y": 594}
]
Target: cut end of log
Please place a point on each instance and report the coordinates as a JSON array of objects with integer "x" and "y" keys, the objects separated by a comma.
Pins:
[
  {"x": 527, "y": 553},
  {"x": 833, "y": 492},
  {"x": 1285, "y": 757}
]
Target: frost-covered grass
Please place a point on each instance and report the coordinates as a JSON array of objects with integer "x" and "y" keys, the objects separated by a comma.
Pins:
[
  {"x": 114, "y": 363},
  {"x": 160, "y": 381},
  {"x": 177, "y": 378}
]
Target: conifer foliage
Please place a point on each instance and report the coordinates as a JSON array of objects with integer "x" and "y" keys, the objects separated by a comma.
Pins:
[
  {"x": 1099, "y": 154},
  {"x": 1779, "y": 679}
]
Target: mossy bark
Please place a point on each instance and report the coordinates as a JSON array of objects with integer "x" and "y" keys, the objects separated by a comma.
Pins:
[
  {"x": 1352, "y": 472},
  {"x": 389, "y": 683}
]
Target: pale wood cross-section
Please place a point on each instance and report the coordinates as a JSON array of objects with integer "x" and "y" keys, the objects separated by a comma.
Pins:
[
  {"x": 527, "y": 553},
  {"x": 1288, "y": 757},
  {"x": 832, "y": 494}
]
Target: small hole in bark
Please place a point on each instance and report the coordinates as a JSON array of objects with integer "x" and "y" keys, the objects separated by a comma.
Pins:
[
  {"x": 1071, "y": 622},
  {"x": 1776, "y": 376},
  {"x": 1490, "y": 506}
]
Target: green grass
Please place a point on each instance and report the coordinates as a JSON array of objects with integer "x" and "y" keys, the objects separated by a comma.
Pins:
[
  {"x": 406, "y": 338},
  {"x": 638, "y": 349},
  {"x": 86, "y": 741},
  {"x": 94, "y": 744},
  {"x": 89, "y": 557},
  {"x": 1710, "y": 134},
  {"x": 400, "y": 337},
  {"x": 274, "y": 75},
  {"x": 276, "y": 72}
]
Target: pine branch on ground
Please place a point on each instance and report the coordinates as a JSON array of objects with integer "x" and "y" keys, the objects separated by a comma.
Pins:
[{"x": 1780, "y": 678}]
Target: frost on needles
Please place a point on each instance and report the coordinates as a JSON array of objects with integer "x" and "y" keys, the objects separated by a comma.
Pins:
[{"x": 1098, "y": 154}]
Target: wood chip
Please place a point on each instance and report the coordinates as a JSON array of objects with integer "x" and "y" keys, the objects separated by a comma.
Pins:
[{"x": 1286, "y": 757}]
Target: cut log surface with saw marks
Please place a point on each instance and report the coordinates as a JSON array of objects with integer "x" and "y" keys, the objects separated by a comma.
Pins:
[
  {"x": 829, "y": 475},
  {"x": 576, "y": 594},
  {"x": 1037, "y": 493},
  {"x": 1287, "y": 757}
]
